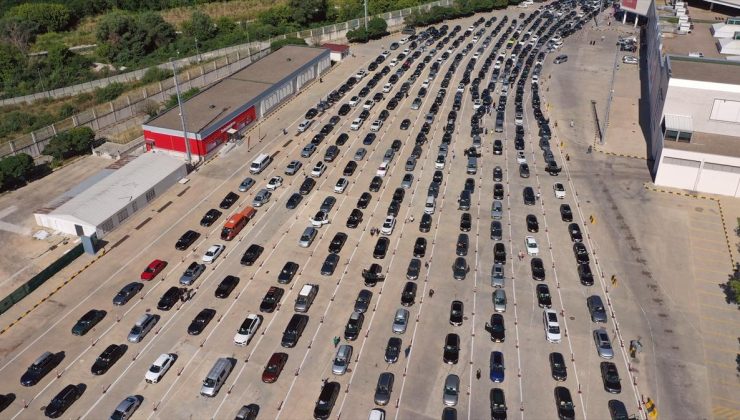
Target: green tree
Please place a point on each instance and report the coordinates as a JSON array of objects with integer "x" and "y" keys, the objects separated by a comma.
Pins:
[
  {"x": 18, "y": 32},
  {"x": 16, "y": 170},
  {"x": 12, "y": 66},
  {"x": 276, "y": 45},
  {"x": 200, "y": 26},
  {"x": 74, "y": 142},
  {"x": 124, "y": 38},
  {"x": 277, "y": 15},
  {"x": 49, "y": 17},
  {"x": 377, "y": 27},
  {"x": 306, "y": 12}
]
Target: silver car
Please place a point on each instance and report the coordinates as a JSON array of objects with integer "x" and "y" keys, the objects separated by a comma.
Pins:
[
  {"x": 360, "y": 154},
  {"x": 596, "y": 308},
  {"x": 408, "y": 179},
  {"x": 388, "y": 156},
  {"x": 497, "y": 275},
  {"x": 384, "y": 388},
  {"x": 246, "y": 184},
  {"x": 342, "y": 359},
  {"x": 293, "y": 167},
  {"x": 499, "y": 300},
  {"x": 400, "y": 321},
  {"x": 262, "y": 197},
  {"x": 603, "y": 344},
  {"x": 308, "y": 150},
  {"x": 451, "y": 390},
  {"x": 497, "y": 210}
]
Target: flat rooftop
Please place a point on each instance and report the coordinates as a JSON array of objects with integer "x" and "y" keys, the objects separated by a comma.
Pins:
[
  {"x": 713, "y": 144},
  {"x": 223, "y": 97},
  {"x": 705, "y": 70}
]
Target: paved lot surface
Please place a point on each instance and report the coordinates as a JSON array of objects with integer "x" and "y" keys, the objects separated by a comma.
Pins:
[{"x": 621, "y": 242}]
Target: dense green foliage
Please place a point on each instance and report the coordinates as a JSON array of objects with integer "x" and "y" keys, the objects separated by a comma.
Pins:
[
  {"x": 276, "y": 45},
  {"x": 74, "y": 142},
  {"x": 15, "y": 171},
  {"x": 125, "y": 38},
  {"x": 184, "y": 96},
  {"x": 376, "y": 28}
]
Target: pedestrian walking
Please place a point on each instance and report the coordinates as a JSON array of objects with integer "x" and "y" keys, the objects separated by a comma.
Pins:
[
  {"x": 477, "y": 374},
  {"x": 431, "y": 292},
  {"x": 538, "y": 196},
  {"x": 336, "y": 341},
  {"x": 407, "y": 351},
  {"x": 567, "y": 157}
]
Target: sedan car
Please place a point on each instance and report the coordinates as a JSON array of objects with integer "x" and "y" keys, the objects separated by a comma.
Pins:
[
  {"x": 581, "y": 253},
  {"x": 530, "y": 243},
  {"x": 497, "y": 366},
  {"x": 532, "y": 223},
  {"x": 564, "y": 403},
  {"x": 227, "y": 285},
  {"x": 585, "y": 275},
  {"x": 108, "y": 358},
  {"x": 186, "y": 240},
  {"x": 528, "y": 195},
  {"x": 420, "y": 247},
  {"x": 360, "y": 154},
  {"x": 451, "y": 390},
  {"x": 63, "y": 400},
  {"x": 463, "y": 243},
  {"x": 405, "y": 124},
  {"x": 287, "y": 273},
  {"x": 552, "y": 326},
  {"x": 274, "y": 367},
  {"x": 575, "y": 232},
  {"x": 543, "y": 296},
  {"x": 154, "y": 268},
  {"x": 211, "y": 216},
  {"x": 293, "y": 201},
  {"x": 342, "y": 359},
  {"x": 271, "y": 300},
  {"x": 158, "y": 369},
  {"x": 566, "y": 214},
  {"x": 375, "y": 184},
  {"x": 308, "y": 150},
  {"x": 353, "y": 326},
  {"x": 499, "y": 300},
  {"x": 465, "y": 222},
  {"x": 330, "y": 264},
  {"x": 460, "y": 268},
  {"x": 261, "y": 198},
  {"x": 169, "y": 298},
  {"x": 425, "y": 223},
  {"x": 362, "y": 303},
  {"x": 293, "y": 167},
  {"x": 127, "y": 292},
  {"x": 247, "y": 330},
  {"x": 274, "y": 183},
  {"x": 212, "y": 253},
  {"x": 603, "y": 344},
  {"x": 557, "y": 367},
  {"x": 456, "y": 313},
  {"x": 610, "y": 377},
  {"x": 392, "y": 350},
  {"x": 251, "y": 255},
  {"x": 451, "y": 349},
  {"x": 88, "y": 322},
  {"x": 381, "y": 248},
  {"x": 496, "y": 328},
  {"x": 384, "y": 388},
  {"x": 350, "y": 168},
  {"x": 400, "y": 321},
  {"x": 201, "y": 321},
  {"x": 229, "y": 200},
  {"x": 354, "y": 219},
  {"x": 388, "y": 225}
]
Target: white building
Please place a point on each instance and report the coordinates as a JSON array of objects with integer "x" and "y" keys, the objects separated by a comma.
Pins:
[
  {"x": 700, "y": 149},
  {"x": 726, "y": 29},
  {"x": 109, "y": 198}
]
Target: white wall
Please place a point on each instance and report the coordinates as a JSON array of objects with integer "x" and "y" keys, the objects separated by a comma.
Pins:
[{"x": 698, "y": 172}]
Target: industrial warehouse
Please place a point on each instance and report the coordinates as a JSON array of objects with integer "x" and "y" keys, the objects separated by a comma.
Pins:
[{"x": 225, "y": 110}]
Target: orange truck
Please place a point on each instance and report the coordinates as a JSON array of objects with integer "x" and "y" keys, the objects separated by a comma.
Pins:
[{"x": 236, "y": 223}]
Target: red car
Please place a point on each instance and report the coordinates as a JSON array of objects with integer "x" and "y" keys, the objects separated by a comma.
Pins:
[
  {"x": 154, "y": 268},
  {"x": 274, "y": 366}
]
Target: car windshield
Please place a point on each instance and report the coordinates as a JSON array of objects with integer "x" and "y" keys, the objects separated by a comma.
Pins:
[
  {"x": 155, "y": 369},
  {"x": 554, "y": 329}
]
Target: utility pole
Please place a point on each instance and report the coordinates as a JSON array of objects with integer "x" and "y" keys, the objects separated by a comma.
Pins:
[
  {"x": 365, "y": 15},
  {"x": 188, "y": 157}
]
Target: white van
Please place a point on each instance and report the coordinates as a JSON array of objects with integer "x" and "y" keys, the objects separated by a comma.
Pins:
[
  {"x": 216, "y": 377},
  {"x": 430, "y": 205},
  {"x": 260, "y": 163}
]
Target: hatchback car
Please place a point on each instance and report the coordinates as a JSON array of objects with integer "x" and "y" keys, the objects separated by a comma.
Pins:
[
  {"x": 497, "y": 210},
  {"x": 499, "y": 300},
  {"x": 384, "y": 388},
  {"x": 451, "y": 390},
  {"x": 532, "y": 223},
  {"x": 566, "y": 214}
]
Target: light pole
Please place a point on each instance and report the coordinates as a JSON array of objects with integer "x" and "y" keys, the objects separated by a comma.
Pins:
[
  {"x": 188, "y": 156},
  {"x": 365, "y": 16},
  {"x": 197, "y": 52}
]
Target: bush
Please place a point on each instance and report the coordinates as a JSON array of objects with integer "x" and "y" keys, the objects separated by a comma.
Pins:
[
  {"x": 109, "y": 93},
  {"x": 74, "y": 142},
  {"x": 276, "y": 45},
  {"x": 15, "y": 171},
  {"x": 155, "y": 74},
  {"x": 183, "y": 96},
  {"x": 376, "y": 29}
]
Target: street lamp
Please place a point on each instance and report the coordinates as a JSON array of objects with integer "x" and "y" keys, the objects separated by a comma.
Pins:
[{"x": 188, "y": 156}]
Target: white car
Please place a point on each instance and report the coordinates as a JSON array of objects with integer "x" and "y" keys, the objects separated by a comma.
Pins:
[
  {"x": 393, "y": 62},
  {"x": 247, "y": 330},
  {"x": 630, "y": 59},
  {"x": 318, "y": 169},
  {"x": 212, "y": 253},
  {"x": 388, "y": 225},
  {"x": 382, "y": 169},
  {"x": 559, "y": 190},
  {"x": 320, "y": 219},
  {"x": 356, "y": 124},
  {"x": 552, "y": 327},
  {"x": 387, "y": 87},
  {"x": 520, "y": 158},
  {"x": 354, "y": 101},
  {"x": 360, "y": 74},
  {"x": 274, "y": 183},
  {"x": 403, "y": 41},
  {"x": 159, "y": 368},
  {"x": 376, "y": 126},
  {"x": 342, "y": 184},
  {"x": 368, "y": 105},
  {"x": 425, "y": 83},
  {"x": 477, "y": 103},
  {"x": 531, "y": 243}
]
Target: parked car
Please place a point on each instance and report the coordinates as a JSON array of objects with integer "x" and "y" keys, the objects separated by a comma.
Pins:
[
  {"x": 603, "y": 344},
  {"x": 155, "y": 267},
  {"x": 159, "y": 368},
  {"x": 186, "y": 240},
  {"x": 108, "y": 358},
  {"x": 127, "y": 292},
  {"x": 88, "y": 321},
  {"x": 229, "y": 200},
  {"x": 212, "y": 253},
  {"x": 274, "y": 367},
  {"x": 201, "y": 321},
  {"x": 63, "y": 400}
]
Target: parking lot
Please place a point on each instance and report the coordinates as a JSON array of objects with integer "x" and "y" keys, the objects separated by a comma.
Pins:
[{"x": 419, "y": 372}]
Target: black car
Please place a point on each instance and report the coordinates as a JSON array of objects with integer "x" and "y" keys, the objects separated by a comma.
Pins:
[
  {"x": 456, "y": 313},
  {"x": 271, "y": 299},
  {"x": 381, "y": 248},
  {"x": 465, "y": 222},
  {"x": 369, "y": 139},
  {"x": 565, "y": 213},
  {"x": 88, "y": 321},
  {"x": 108, "y": 358},
  {"x": 437, "y": 177},
  {"x": 393, "y": 350},
  {"x": 585, "y": 275},
  {"x": 610, "y": 377},
  {"x": 331, "y": 153},
  {"x": 354, "y": 219},
  {"x": 169, "y": 298},
  {"x": 528, "y": 194},
  {"x": 353, "y": 326},
  {"x": 350, "y": 168},
  {"x": 393, "y": 208},
  {"x": 251, "y": 254},
  {"x": 229, "y": 200},
  {"x": 498, "y": 404},
  {"x": 307, "y": 186},
  {"x": 201, "y": 321},
  {"x": 460, "y": 268},
  {"x": 451, "y": 352},
  {"x": 496, "y": 230},
  {"x": 420, "y": 247},
  {"x": 564, "y": 404},
  {"x": 288, "y": 272},
  {"x": 463, "y": 243},
  {"x": 344, "y": 109},
  {"x": 6, "y": 400},
  {"x": 326, "y": 129},
  {"x": 63, "y": 400},
  {"x": 498, "y": 174},
  {"x": 408, "y": 294},
  {"x": 337, "y": 242},
  {"x": 405, "y": 124},
  {"x": 538, "y": 269},
  {"x": 499, "y": 253},
  {"x": 544, "y": 300},
  {"x": 470, "y": 185},
  {"x": 211, "y": 216},
  {"x": 399, "y": 194},
  {"x": 575, "y": 232},
  {"x": 227, "y": 285},
  {"x": 40, "y": 368},
  {"x": 617, "y": 410},
  {"x": 127, "y": 292},
  {"x": 330, "y": 264},
  {"x": 581, "y": 253},
  {"x": 496, "y": 328},
  {"x": 186, "y": 240},
  {"x": 532, "y": 223},
  {"x": 326, "y": 401},
  {"x": 318, "y": 138},
  {"x": 425, "y": 224},
  {"x": 293, "y": 201},
  {"x": 364, "y": 200},
  {"x": 375, "y": 184},
  {"x": 557, "y": 367},
  {"x": 311, "y": 113},
  {"x": 498, "y": 147},
  {"x": 342, "y": 139}
]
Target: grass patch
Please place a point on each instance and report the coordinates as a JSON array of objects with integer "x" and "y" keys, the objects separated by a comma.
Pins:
[{"x": 238, "y": 10}]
